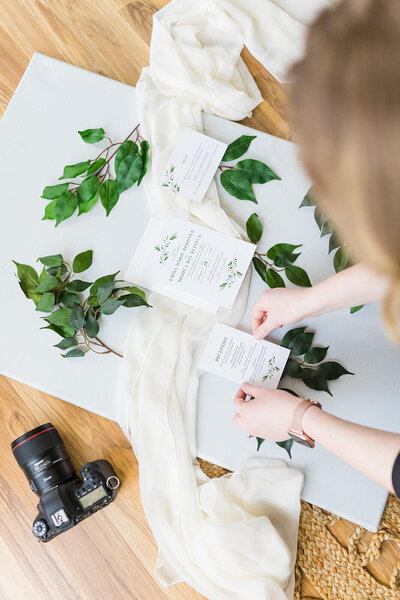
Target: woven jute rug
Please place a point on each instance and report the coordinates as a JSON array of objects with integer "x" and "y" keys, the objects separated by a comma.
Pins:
[{"x": 342, "y": 561}]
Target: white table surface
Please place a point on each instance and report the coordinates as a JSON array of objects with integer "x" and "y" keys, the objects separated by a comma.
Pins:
[{"x": 37, "y": 138}]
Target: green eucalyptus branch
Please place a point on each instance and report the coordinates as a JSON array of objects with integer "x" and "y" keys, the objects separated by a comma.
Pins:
[
  {"x": 131, "y": 157},
  {"x": 57, "y": 292}
]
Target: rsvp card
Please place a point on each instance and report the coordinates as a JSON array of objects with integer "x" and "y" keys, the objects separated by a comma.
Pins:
[
  {"x": 190, "y": 263},
  {"x": 237, "y": 356},
  {"x": 192, "y": 164}
]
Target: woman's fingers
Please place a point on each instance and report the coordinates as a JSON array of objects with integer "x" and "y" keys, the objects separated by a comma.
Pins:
[
  {"x": 239, "y": 399},
  {"x": 238, "y": 421},
  {"x": 258, "y": 316}
]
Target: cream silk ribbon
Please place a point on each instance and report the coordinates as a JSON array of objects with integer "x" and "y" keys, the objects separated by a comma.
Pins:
[{"x": 235, "y": 537}]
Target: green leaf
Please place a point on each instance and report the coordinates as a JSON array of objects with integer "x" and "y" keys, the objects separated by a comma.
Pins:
[
  {"x": 57, "y": 271},
  {"x": 69, "y": 299},
  {"x": 73, "y": 353},
  {"x": 332, "y": 370},
  {"x": 60, "y": 317},
  {"x": 333, "y": 243},
  {"x": 257, "y": 171},
  {"x": 51, "y": 192},
  {"x": 131, "y": 300},
  {"x": 315, "y": 355},
  {"x": 132, "y": 289},
  {"x": 128, "y": 172},
  {"x": 315, "y": 380},
  {"x": 105, "y": 290},
  {"x": 54, "y": 260},
  {"x": 238, "y": 147},
  {"x": 88, "y": 190},
  {"x": 92, "y": 301},
  {"x": 71, "y": 171},
  {"x": 145, "y": 156},
  {"x": 46, "y": 302},
  {"x": 90, "y": 136},
  {"x": 326, "y": 229},
  {"x": 259, "y": 442},
  {"x": 128, "y": 148},
  {"x": 292, "y": 368},
  {"x": 308, "y": 199},
  {"x": 341, "y": 259},
  {"x": 85, "y": 207},
  {"x": 355, "y": 309},
  {"x": 65, "y": 207},
  {"x": 96, "y": 165},
  {"x": 319, "y": 217},
  {"x": 287, "y": 338},
  {"x": 254, "y": 228},
  {"x": 27, "y": 276},
  {"x": 50, "y": 211},
  {"x": 301, "y": 343},
  {"x": 274, "y": 280},
  {"x": 77, "y": 318},
  {"x": 109, "y": 195},
  {"x": 66, "y": 343},
  {"x": 48, "y": 284},
  {"x": 286, "y": 445},
  {"x": 110, "y": 306},
  {"x": 289, "y": 391},
  {"x": 260, "y": 268},
  {"x": 43, "y": 274},
  {"x": 77, "y": 285},
  {"x": 297, "y": 275},
  {"x": 64, "y": 331},
  {"x": 91, "y": 324},
  {"x": 100, "y": 281},
  {"x": 82, "y": 261},
  {"x": 284, "y": 259},
  {"x": 279, "y": 249},
  {"x": 237, "y": 185}
]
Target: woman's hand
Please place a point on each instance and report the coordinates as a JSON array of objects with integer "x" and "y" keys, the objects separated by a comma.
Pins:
[
  {"x": 278, "y": 307},
  {"x": 268, "y": 415}
]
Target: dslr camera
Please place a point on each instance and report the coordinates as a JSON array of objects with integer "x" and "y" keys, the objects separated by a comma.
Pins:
[{"x": 64, "y": 497}]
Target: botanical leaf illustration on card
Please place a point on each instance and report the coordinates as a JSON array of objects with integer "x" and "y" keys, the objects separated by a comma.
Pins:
[
  {"x": 163, "y": 247},
  {"x": 232, "y": 276},
  {"x": 272, "y": 369},
  {"x": 169, "y": 180},
  {"x": 131, "y": 158}
]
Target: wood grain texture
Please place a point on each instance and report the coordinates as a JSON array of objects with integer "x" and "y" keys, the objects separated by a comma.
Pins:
[{"x": 112, "y": 554}]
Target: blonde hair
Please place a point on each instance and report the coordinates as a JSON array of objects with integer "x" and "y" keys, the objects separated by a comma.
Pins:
[{"x": 345, "y": 109}]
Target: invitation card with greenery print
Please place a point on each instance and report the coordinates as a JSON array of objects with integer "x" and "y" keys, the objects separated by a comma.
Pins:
[
  {"x": 190, "y": 263},
  {"x": 192, "y": 164},
  {"x": 239, "y": 357}
]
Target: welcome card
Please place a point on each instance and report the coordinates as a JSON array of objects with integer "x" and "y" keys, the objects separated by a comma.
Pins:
[
  {"x": 239, "y": 357},
  {"x": 190, "y": 263},
  {"x": 192, "y": 164}
]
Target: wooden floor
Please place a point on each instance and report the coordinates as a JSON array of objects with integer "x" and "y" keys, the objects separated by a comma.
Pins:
[{"x": 111, "y": 555}]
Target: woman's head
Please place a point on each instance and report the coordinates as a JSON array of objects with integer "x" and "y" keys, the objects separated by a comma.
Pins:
[{"x": 345, "y": 105}]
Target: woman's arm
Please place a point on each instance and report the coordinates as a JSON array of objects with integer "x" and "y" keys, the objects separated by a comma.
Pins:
[
  {"x": 351, "y": 287},
  {"x": 269, "y": 415}
]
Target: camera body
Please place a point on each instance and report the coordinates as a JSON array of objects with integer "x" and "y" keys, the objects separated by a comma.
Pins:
[{"x": 65, "y": 499}]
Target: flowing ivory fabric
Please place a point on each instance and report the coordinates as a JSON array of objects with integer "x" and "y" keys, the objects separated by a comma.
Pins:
[{"x": 234, "y": 537}]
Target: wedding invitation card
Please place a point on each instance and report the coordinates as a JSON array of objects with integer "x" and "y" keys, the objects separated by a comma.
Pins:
[
  {"x": 190, "y": 263},
  {"x": 239, "y": 357},
  {"x": 192, "y": 164}
]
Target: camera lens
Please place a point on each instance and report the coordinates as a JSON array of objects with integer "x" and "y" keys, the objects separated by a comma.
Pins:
[{"x": 42, "y": 456}]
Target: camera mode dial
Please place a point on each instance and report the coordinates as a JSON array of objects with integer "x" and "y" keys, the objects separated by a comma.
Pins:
[{"x": 40, "y": 528}]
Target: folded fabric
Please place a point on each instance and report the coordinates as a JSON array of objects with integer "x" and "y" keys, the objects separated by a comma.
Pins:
[{"x": 235, "y": 537}]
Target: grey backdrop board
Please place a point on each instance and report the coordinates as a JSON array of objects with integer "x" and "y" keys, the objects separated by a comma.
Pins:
[{"x": 37, "y": 138}]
